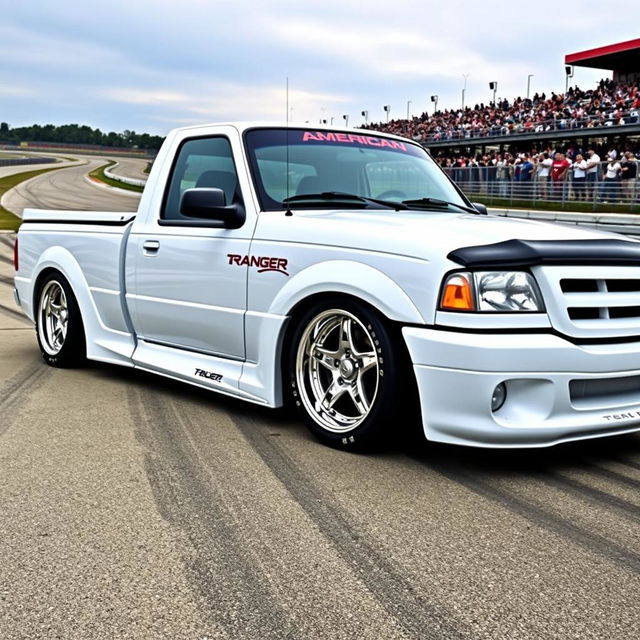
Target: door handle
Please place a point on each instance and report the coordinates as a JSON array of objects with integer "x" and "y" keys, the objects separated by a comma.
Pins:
[{"x": 151, "y": 247}]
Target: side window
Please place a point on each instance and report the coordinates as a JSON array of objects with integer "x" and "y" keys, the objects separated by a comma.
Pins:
[{"x": 201, "y": 162}]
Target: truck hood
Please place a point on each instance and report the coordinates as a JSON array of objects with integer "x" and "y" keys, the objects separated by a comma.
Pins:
[{"x": 421, "y": 234}]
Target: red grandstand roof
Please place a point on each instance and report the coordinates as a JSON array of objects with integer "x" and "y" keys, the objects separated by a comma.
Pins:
[{"x": 624, "y": 56}]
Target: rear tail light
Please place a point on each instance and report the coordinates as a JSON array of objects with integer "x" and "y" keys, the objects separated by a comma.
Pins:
[{"x": 16, "y": 264}]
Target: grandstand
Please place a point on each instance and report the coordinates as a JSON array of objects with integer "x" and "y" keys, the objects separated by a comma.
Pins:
[{"x": 607, "y": 115}]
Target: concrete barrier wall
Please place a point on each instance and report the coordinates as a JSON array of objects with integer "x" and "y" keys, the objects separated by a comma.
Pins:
[
  {"x": 12, "y": 162},
  {"x": 123, "y": 179}
]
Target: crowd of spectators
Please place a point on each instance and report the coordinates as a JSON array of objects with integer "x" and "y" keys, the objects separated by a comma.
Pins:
[
  {"x": 607, "y": 175},
  {"x": 608, "y": 104}
]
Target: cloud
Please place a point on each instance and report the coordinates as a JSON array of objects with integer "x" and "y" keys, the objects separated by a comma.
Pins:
[
  {"x": 141, "y": 64},
  {"x": 15, "y": 92},
  {"x": 220, "y": 100}
]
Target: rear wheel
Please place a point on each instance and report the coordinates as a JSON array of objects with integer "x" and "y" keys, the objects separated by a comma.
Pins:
[
  {"x": 59, "y": 324},
  {"x": 344, "y": 374}
]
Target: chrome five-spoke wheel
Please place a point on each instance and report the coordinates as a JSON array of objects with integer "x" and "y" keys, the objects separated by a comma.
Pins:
[
  {"x": 53, "y": 317},
  {"x": 342, "y": 372},
  {"x": 337, "y": 370},
  {"x": 59, "y": 324}
]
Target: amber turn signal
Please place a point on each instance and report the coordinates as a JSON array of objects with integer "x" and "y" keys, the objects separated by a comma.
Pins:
[{"x": 457, "y": 293}]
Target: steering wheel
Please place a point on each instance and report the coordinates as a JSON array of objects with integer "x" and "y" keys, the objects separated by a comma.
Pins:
[{"x": 392, "y": 193}]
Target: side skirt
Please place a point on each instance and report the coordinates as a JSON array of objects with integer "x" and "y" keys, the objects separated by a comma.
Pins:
[{"x": 205, "y": 371}]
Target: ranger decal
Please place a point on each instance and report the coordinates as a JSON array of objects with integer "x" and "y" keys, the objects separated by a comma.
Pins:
[{"x": 262, "y": 263}]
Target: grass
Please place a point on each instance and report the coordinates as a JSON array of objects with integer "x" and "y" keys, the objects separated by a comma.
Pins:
[
  {"x": 98, "y": 174},
  {"x": 9, "y": 221}
]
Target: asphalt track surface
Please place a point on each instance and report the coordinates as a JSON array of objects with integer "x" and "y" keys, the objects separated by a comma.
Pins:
[
  {"x": 66, "y": 188},
  {"x": 136, "y": 507}
]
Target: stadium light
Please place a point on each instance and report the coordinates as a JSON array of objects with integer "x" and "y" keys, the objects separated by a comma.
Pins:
[
  {"x": 387, "y": 108},
  {"x": 529, "y": 84},
  {"x": 464, "y": 89},
  {"x": 434, "y": 99},
  {"x": 346, "y": 120},
  {"x": 494, "y": 87},
  {"x": 365, "y": 115},
  {"x": 569, "y": 72}
]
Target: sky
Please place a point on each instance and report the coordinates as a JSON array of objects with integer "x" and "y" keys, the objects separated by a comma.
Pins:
[{"x": 153, "y": 65}]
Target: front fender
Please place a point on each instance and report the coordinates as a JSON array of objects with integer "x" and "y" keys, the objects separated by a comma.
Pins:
[{"x": 351, "y": 278}]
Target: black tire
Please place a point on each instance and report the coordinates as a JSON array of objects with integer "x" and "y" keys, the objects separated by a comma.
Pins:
[
  {"x": 353, "y": 426},
  {"x": 60, "y": 346}
]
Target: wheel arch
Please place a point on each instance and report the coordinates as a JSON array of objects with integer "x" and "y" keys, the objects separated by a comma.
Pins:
[
  {"x": 102, "y": 344},
  {"x": 355, "y": 279}
]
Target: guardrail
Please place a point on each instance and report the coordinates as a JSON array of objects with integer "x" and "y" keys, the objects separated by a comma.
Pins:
[
  {"x": 625, "y": 224},
  {"x": 132, "y": 181}
]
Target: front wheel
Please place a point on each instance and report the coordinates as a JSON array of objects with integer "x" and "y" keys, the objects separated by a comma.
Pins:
[
  {"x": 344, "y": 374},
  {"x": 59, "y": 324}
]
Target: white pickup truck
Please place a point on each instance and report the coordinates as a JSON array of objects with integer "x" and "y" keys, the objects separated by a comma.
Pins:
[{"x": 342, "y": 271}]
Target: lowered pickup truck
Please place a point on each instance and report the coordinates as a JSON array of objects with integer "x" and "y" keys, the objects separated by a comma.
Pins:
[{"x": 343, "y": 272}]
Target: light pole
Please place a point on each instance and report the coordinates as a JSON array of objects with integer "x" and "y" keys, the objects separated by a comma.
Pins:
[
  {"x": 494, "y": 87},
  {"x": 464, "y": 89},
  {"x": 346, "y": 120},
  {"x": 322, "y": 118},
  {"x": 365, "y": 115},
  {"x": 408, "y": 103},
  {"x": 569, "y": 71},
  {"x": 434, "y": 99},
  {"x": 529, "y": 84},
  {"x": 387, "y": 108}
]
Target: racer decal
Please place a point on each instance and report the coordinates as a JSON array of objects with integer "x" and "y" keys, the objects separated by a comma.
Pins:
[
  {"x": 262, "y": 263},
  {"x": 214, "y": 377},
  {"x": 352, "y": 138}
]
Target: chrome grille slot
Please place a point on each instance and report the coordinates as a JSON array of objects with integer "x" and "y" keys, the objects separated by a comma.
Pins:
[
  {"x": 576, "y": 285},
  {"x": 616, "y": 286},
  {"x": 583, "y": 313}
]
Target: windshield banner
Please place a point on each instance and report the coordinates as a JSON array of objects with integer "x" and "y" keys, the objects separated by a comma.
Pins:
[{"x": 351, "y": 138}]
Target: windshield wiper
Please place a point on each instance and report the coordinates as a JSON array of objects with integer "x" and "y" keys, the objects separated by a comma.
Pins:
[
  {"x": 430, "y": 202},
  {"x": 339, "y": 196}
]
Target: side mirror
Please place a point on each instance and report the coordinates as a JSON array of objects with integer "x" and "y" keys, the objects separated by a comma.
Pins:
[
  {"x": 480, "y": 208},
  {"x": 211, "y": 204}
]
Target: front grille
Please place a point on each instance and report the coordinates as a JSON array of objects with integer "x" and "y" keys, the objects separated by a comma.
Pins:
[{"x": 592, "y": 302}]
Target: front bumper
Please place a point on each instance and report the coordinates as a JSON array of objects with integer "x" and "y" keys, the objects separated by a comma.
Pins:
[{"x": 556, "y": 391}]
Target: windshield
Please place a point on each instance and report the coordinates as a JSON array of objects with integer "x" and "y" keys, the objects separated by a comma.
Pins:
[{"x": 358, "y": 164}]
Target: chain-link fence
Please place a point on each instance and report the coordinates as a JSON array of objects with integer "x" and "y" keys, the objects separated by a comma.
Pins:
[{"x": 605, "y": 184}]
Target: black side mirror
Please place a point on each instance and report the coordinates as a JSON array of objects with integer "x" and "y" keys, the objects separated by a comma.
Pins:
[
  {"x": 211, "y": 204},
  {"x": 480, "y": 208}
]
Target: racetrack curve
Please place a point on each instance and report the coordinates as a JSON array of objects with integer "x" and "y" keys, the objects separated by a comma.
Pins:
[
  {"x": 66, "y": 188},
  {"x": 135, "y": 507}
]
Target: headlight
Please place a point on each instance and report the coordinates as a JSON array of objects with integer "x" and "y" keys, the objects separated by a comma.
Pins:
[{"x": 497, "y": 291}]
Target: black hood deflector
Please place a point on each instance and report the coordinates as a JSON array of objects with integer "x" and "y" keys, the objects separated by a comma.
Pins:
[{"x": 529, "y": 253}]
